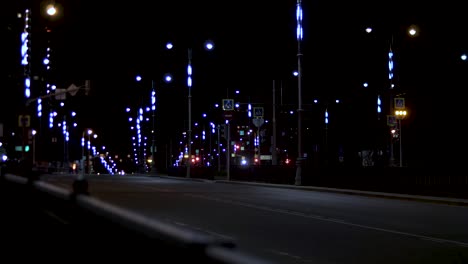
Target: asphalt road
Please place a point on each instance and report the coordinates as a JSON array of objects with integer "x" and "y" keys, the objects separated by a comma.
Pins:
[{"x": 287, "y": 225}]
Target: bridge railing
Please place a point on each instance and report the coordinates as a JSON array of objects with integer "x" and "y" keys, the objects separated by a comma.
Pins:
[{"x": 43, "y": 218}]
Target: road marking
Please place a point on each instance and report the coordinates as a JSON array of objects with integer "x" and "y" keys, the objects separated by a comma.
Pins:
[
  {"x": 56, "y": 217},
  {"x": 286, "y": 254},
  {"x": 333, "y": 220},
  {"x": 199, "y": 229}
]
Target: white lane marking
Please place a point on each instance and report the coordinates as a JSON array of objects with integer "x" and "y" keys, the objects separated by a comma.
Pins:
[
  {"x": 339, "y": 221},
  {"x": 56, "y": 217},
  {"x": 286, "y": 254},
  {"x": 185, "y": 225}
]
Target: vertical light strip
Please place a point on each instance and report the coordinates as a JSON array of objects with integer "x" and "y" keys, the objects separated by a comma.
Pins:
[{"x": 25, "y": 53}]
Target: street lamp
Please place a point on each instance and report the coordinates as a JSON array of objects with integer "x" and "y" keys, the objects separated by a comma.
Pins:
[
  {"x": 167, "y": 78},
  {"x": 208, "y": 46},
  {"x": 299, "y": 36},
  {"x": 140, "y": 131},
  {"x": 140, "y": 155},
  {"x": 90, "y": 162},
  {"x": 89, "y": 132},
  {"x": 33, "y": 133},
  {"x": 153, "y": 145},
  {"x": 189, "y": 130},
  {"x": 80, "y": 185},
  {"x": 412, "y": 32},
  {"x": 51, "y": 10}
]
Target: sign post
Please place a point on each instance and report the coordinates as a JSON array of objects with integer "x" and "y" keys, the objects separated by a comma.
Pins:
[
  {"x": 24, "y": 121},
  {"x": 258, "y": 122},
  {"x": 228, "y": 110}
]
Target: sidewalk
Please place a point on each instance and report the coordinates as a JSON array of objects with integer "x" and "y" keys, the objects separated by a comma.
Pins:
[{"x": 422, "y": 198}]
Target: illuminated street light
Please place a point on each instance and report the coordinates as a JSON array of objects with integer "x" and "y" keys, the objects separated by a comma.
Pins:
[
  {"x": 89, "y": 132},
  {"x": 153, "y": 140},
  {"x": 33, "y": 133},
  {"x": 208, "y": 46},
  {"x": 412, "y": 32},
  {"x": 189, "y": 131},
  {"x": 80, "y": 185},
  {"x": 299, "y": 37},
  {"x": 51, "y": 10},
  {"x": 90, "y": 162},
  {"x": 25, "y": 53},
  {"x": 140, "y": 155},
  {"x": 167, "y": 78}
]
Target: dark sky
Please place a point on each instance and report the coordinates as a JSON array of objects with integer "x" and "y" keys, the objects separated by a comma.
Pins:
[{"x": 109, "y": 43}]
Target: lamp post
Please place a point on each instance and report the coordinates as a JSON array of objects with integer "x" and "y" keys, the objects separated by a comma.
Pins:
[
  {"x": 412, "y": 32},
  {"x": 33, "y": 133},
  {"x": 390, "y": 77},
  {"x": 299, "y": 36},
  {"x": 141, "y": 128},
  {"x": 89, "y": 132},
  {"x": 189, "y": 98},
  {"x": 208, "y": 46},
  {"x": 90, "y": 162},
  {"x": 80, "y": 185},
  {"x": 134, "y": 125},
  {"x": 153, "y": 141}
]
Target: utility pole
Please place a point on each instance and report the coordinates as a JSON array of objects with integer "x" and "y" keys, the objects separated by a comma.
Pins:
[{"x": 273, "y": 145}]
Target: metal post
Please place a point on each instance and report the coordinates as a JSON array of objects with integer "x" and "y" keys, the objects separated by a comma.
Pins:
[
  {"x": 273, "y": 145},
  {"x": 401, "y": 150},
  {"x": 189, "y": 131},
  {"x": 299, "y": 161},
  {"x": 390, "y": 92},
  {"x": 326, "y": 136},
  {"x": 82, "y": 164},
  {"x": 153, "y": 144},
  {"x": 189, "y": 99},
  {"x": 88, "y": 163},
  {"x": 65, "y": 164},
  {"x": 210, "y": 153},
  {"x": 228, "y": 156},
  {"x": 80, "y": 185},
  {"x": 259, "y": 146},
  {"x": 219, "y": 149},
  {"x": 34, "y": 148}
]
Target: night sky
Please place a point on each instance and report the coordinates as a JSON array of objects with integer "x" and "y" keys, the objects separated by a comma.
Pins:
[{"x": 255, "y": 43}]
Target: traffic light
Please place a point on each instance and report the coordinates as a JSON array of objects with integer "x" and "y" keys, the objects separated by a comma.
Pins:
[{"x": 26, "y": 148}]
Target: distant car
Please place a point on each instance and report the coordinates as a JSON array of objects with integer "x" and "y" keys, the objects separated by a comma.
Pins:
[
  {"x": 3, "y": 160},
  {"x": 3, "y": 155}
]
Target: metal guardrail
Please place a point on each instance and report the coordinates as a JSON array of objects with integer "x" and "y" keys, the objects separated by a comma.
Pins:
[{"x": 49, "y": 217}]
